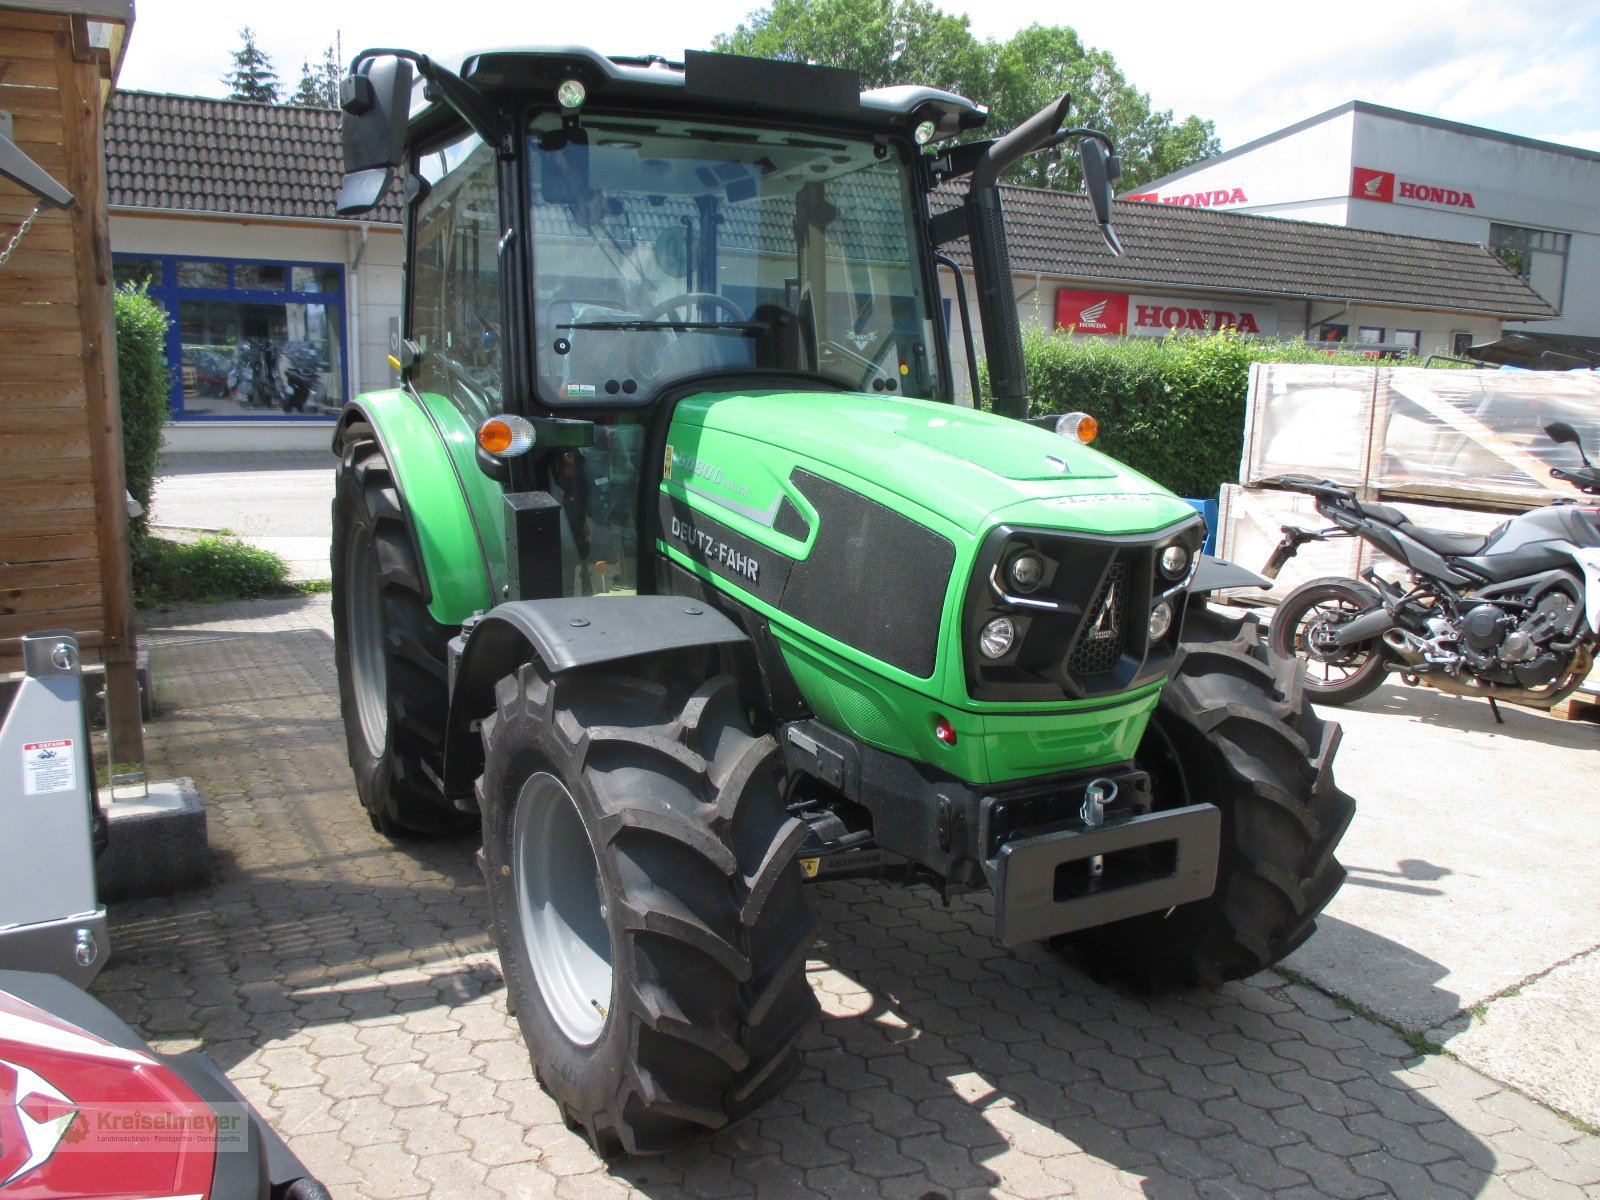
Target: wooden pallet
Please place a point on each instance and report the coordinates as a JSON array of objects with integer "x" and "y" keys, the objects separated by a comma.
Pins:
[{"x": 1580, "y": 706}]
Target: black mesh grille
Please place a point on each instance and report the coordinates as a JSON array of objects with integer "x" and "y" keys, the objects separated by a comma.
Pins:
[{"x": 1100, "y": 645}]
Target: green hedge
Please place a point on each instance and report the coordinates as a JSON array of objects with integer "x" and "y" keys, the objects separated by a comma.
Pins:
[
  {"x": 1170, "y": 407},
  {"x": 142, "y": 380},
  {"x": 207, "y": 569}
]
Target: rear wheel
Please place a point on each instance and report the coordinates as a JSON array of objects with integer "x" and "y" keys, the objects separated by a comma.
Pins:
[
  {"x": 389, "y": 653},
  {"x": 1234, "y": 729},
  {"x": 646, "y": 898},
  {"x": 1304, "y": 627}
]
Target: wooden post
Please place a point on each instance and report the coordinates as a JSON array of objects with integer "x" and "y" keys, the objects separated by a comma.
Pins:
[{"x": 80, "y": 98}]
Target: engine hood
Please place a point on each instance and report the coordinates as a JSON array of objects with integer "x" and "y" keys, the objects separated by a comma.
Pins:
[{"x": 973, "y": 469}]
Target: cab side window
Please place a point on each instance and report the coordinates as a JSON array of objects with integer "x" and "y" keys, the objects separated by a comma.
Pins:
[{"x": 455, "y": 278}]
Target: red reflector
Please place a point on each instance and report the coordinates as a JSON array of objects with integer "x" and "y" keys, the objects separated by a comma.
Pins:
[{"x": 944, "y": 731}]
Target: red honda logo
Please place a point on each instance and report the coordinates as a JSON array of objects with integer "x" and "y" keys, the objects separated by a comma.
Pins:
[
  {"x": 1091, "y": 312},
  {"x": 1368, "y": 184}
]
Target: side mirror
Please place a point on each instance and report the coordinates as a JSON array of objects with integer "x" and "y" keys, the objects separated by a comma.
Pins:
[
  {"x": 1100, "y": 175},
  {"x": 376, "y": 99},
  {"x": 1560, "y": 431}
]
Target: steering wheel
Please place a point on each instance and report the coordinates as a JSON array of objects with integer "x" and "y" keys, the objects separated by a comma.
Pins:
[{"x": 682, "y": 303}]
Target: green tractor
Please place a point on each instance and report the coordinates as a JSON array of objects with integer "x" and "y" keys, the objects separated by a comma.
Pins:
[{"x": 673, "y": 564}]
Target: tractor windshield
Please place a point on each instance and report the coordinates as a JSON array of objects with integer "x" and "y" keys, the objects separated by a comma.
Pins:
[{"x": 664, "y": 249}]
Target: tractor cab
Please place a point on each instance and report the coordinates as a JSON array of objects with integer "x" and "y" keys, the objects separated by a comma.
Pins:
[{"x": 591, "y": 236}]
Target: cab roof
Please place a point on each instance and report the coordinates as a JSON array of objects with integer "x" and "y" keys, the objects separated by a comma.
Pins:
[{"x": 730, "y": 83}]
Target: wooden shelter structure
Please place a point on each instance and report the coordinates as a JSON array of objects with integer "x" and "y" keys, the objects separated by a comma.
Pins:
[{"x": 63, "y": 513}]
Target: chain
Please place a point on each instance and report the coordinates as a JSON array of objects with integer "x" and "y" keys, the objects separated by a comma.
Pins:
[{"x": 27, "y": 224}]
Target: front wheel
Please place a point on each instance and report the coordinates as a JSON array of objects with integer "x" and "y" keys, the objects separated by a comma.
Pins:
[
  {"x": 1305, "y": 626},
  {"x": 646, "y": 901},
  {"x": 1233, "y": 728},
  {"x": 388, "y": 651}
]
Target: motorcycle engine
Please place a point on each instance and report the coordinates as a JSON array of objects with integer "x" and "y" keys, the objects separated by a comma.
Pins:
[{"x": 1515, "y": 651}]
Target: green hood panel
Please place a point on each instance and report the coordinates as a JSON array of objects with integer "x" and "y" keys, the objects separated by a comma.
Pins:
[{"x": 968, "y": 467}]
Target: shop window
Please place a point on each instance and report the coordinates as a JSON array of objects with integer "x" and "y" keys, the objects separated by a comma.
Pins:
[
  {"x": 1538, "y": 255},
  {"x": 194, "y": 273},
  {"x": 136, "y": 272},
  {"x": 259, "y": 277},
  {"x": 1410, "y": 340},
  {"x": 314, "y": 279},
  {"x": 1333, "y": 333},
  {"x": 248, "y": 339}
]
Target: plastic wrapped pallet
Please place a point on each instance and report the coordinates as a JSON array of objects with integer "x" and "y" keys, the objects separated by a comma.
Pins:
[
  {"x": 1471, "y": 438},
  {"x": 1478, "y": 436},
  {"x": 1249, "y": 524}
]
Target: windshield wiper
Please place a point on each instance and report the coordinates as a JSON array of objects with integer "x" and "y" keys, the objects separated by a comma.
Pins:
[{"x": 676, "y": 326}]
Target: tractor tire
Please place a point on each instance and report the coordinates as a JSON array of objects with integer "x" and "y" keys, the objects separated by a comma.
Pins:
[
  {"x": 1334, "y": 675},
  {"x": 646, "y": 901},
  {"x": 389, "y": 653},
  {"x": 1234, "y": 728}
]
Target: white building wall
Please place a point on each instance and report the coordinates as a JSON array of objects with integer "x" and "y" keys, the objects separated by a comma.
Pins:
[
  {"x": 1308, "y": 167},
  {"x": 1466, "y": 183}
]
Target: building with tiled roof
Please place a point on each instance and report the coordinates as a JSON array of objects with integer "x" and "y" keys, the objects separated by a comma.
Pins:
[
  {"x": 1366, "y": 167},
  {"x": 226, "y": 209},
  {"x": 281, "y": 308},
  {"x": 189, "y": 154}
]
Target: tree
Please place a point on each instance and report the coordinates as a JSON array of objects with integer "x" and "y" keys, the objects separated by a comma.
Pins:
[
  {"x": 885, "y": 41},
  {"x": 910, "y": 41},
  {"x": 319, "y": 85},
  {"x": 252, "y": 77}
]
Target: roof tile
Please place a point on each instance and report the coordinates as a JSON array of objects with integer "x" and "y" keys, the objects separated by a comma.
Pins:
[{"x": 197, "y": 154}]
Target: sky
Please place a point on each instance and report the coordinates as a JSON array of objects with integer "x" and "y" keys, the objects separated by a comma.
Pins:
[{"x": 1528, "y": 67}]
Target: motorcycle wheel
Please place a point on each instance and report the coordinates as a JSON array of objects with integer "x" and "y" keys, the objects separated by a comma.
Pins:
[{"x": 1303, "y": 627}]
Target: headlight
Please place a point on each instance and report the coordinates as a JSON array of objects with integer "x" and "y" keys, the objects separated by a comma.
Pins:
[
  {"x": 997, "y": 637},
  {"x": 1026, "y": 571},
  {"x": 1174, "y": 561},
  {"x": 1160, "y": 621}
]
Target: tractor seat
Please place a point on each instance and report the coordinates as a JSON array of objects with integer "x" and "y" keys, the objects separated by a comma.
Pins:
[{"x": 1445, "y": 541}]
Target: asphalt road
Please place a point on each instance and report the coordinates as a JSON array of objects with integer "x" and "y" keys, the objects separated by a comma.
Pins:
[{"x": 278, "y": 501}]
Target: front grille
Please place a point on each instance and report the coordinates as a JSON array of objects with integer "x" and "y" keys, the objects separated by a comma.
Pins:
[{"x": 1106, "y": 631}]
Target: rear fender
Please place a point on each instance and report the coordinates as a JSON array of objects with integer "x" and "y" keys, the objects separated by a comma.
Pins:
[
  {"x": 566, "y": 634},
  {"x": 450, "y": 546}
]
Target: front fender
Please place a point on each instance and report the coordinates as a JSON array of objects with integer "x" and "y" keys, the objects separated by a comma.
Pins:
[
  {"x": 454, "y": 551},
  {"x": 565, "y": 634}
]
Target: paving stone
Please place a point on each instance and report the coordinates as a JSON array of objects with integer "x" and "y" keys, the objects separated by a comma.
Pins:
[{"x": 348, "y": 986}]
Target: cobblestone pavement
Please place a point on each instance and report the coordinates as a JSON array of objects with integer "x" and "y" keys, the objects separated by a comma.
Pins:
[{"x": 347, "y": 985}]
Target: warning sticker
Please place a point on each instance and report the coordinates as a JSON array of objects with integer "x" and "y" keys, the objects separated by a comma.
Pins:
[{"x": 48, "y": 767}]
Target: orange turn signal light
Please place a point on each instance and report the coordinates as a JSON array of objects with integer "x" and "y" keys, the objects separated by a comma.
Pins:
[
  {"x": 1079, "y": 426},
  {"x": 506, "y": 436}
]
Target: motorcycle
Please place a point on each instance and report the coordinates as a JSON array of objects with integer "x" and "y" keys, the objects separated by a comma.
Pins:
[
  {"x": 302, "y": 373},
  {"x": 1511, "y": 615}
]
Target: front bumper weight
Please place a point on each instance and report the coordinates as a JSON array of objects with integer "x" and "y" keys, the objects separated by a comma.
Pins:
[{"x": 1154, "y": 861}]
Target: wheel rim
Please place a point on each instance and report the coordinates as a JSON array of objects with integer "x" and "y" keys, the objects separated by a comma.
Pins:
[
  {"x": 1327, "y": 663},
  {"x": 369, "y": 665},
  {"x": 561, "y": 908}
]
